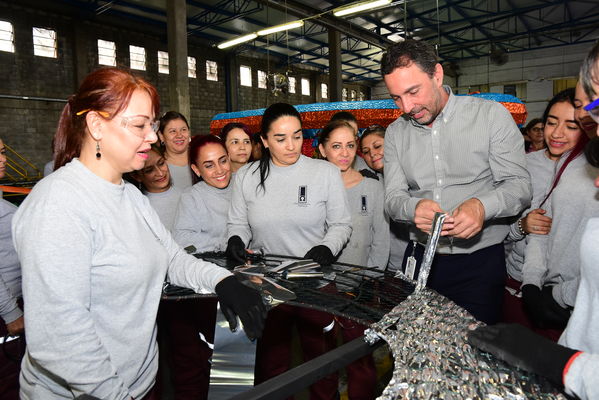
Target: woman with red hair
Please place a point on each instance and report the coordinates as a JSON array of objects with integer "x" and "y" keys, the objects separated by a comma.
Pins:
[{"x": 94, "y": 253}]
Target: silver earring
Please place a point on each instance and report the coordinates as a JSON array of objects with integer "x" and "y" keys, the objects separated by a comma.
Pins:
[{"x": 98, "y": 154}]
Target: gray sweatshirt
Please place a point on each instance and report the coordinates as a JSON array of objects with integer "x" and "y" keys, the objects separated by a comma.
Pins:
[
  {"x": 165, "y": 204},
  {"x": 542, "y": 171},
  {"x": 180, "y": 176},
  {"x": 369, "y": 241},
  {"x": 94, "y": 256},
  {"x": 10, "y": 269},
  {"x": 201, "y": 219},
  {"x": 554, "y": 259},
  {"x": 304, "y": 205},
  {"x": 581, "y": 333}
]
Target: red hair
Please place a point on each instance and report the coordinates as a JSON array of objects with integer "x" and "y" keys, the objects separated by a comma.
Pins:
[
  {"x": 196, "y": 144},
  {"x": 106, "y": 89}
]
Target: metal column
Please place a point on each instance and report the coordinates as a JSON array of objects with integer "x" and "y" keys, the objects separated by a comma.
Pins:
[
  {"x": 335, "y": 78},
  {"x": 176, "y": 12}
]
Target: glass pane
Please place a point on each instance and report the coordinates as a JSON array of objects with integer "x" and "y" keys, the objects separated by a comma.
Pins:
[
  {"x": 211, "y": 70},
  {"x": 245, "y": 75},
  {"x": 162, "y": 62},
  {"x": 137, "y": 57},
  {"x": 191, "y": 67},
  {"x": 291, "y": 84},
  {"x": 106, "y": 52},
  {"x": 6, "y": 37},
  {"x": 44, "y": 42}
]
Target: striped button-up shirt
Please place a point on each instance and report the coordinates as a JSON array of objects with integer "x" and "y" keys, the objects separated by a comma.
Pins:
[{"x": 472, "y": 150}]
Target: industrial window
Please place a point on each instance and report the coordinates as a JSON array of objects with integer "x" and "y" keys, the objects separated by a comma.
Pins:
[
  {"x": 245, "y": 75},
  {"x": 7, "y": 37},
  {"x": 137, "y": 57},
  {"x": 162, "y": 62},
  {"x": 211, "y": 70},
  {"x": 44, "y": 42},
  {"x": 324, "y": 90},
  {"x": 106, "y": 53},
  {"x": 361, "y": 96},
  {"x": 305, "y": 87},
  {"x": 352, "y": 95},
  {"x": 261, "y": 79},
  {"x": 344, "y": 94},
  {"x": 291, "y": 84},
  {"x": 191, "y": 67}
]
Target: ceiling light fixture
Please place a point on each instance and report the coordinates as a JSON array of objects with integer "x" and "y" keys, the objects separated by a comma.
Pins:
[
  {"x": 357, "y": 7},
  {"x": 282, "y": 27},
  {"x": 241, "y": 39}
]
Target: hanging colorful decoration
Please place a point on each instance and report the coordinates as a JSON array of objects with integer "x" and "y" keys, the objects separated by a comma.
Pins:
[{"x": 369, "y": 112}]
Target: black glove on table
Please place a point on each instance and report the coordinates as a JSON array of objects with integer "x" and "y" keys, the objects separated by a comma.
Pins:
[
  {"x": 321, "y": 254},
  {"x": 542, "y": 308},
  {"x": 519, "y": 346},
  {"x": 236, "y": 250},
  {"x": 237, "y": 299}
]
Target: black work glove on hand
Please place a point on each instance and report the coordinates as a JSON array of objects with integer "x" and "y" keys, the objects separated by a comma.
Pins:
[
  {"x": 236, "y": 250},
  {"x": 237, "y": 299},
  {"x": 519, "y": 346},
  {"x": 321, "y": 254},
  {"x": 542, "y": 308}
]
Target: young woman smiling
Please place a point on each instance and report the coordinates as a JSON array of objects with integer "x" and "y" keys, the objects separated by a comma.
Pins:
[
  {"x": 174, "y": 135},
  {"x": 155, "y": 181},
  {"x": 202, "y": 215},
  {"x": 551, "y": 270}
]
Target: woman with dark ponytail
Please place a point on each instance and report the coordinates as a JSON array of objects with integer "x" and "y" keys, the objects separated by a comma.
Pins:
[
  {"x": 289, "y": 204},
  {"x": 94, "y": 253}
]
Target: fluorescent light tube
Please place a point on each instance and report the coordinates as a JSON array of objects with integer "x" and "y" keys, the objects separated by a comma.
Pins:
[
  {"x": 282, "y": 27},
  {"x": 241, "y": 39},
  {"x": 357, "y": 7}
]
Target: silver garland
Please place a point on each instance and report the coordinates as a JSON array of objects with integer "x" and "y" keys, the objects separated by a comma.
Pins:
[{"x": 427, "y": 337}]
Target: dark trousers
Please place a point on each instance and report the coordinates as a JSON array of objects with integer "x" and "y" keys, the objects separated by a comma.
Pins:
[
  {"x": 188, "y": 355},
  {"x": 473, "y": 281},
  {"x": 11, "y": 354},
  {"x": 361, "y": 374},
  {"x": 273, "y": 352}
]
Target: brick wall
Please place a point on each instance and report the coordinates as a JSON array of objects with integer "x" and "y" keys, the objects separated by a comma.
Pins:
[{"x": 28, "y": 125}]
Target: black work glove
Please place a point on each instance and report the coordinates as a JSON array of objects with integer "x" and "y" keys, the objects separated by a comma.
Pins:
[
  {"x": 366, "y": 173},
  {"x": 237, "y": 299},
  {"x": 321, "y": 254},
  {"x": 519, "y": 346},
  {"x": 542, "y": 308},
  {"x": 236, "y": 250}
]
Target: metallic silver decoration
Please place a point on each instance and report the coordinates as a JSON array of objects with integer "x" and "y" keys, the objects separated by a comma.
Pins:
[
  {"x": 429, "y": 251},
  {"x": 427, "y": 336}
]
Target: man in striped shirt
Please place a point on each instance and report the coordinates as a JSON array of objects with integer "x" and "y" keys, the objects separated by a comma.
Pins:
[{"x": 460, "y": 155}]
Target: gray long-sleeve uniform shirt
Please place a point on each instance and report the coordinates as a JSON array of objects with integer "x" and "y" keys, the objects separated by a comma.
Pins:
[
  {"x": 304, "y": 205},
  {"x": 10, "y": 269},
  {"x": 94, "y": 256},
  {"x": 165, "y": 204},
  {"x": 369, "y": 241},
  {"x": 201, "y": 219},
  {"x": 473, "y": 149},
  {"x": 554, "y": 259},
  {"x": 581, "y": 333},
  {"x": 542, "y": 171}
]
